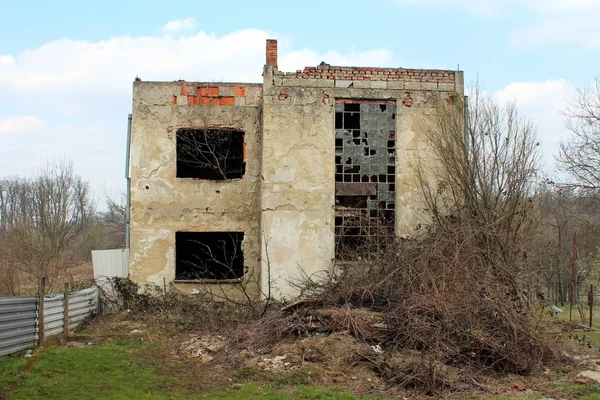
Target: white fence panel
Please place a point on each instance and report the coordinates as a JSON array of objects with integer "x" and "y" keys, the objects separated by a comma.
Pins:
[{"x": 111, "y": 263}]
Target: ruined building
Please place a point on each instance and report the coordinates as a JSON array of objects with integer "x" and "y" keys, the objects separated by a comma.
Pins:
[{"x": 258, "y": 185}]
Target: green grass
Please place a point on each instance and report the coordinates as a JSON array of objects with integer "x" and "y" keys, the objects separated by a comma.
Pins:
[
  {"x": 9, "y": 367},
  {"x": 594, "y": 396},
  {"x": 95, "y": 372},
  {"x": 253, "y": 391},
  {"x": 575, "y": 316},
  {"x": 110, "y": 371}
]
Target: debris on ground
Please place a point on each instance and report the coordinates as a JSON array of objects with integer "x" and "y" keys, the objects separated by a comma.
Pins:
[
  {"x": 71, "y": 345},
  {"x": 202, "y": 347},
  {"x": 277, "y": 362},
  {"x": 518, "y": 387}
]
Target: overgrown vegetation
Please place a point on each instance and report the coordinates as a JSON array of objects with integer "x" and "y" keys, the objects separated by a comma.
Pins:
[
  {"x": 171, "y": 308},
  {"x": 43, "y": 222},
  {"x": 435, "y": 313},
  {"x": 48, "y": 225},
  {"x": 117, "y": 370},
  {"x": 443, "y": 307}
]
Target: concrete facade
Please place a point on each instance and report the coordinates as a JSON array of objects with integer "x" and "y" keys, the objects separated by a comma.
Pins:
[{"x": 285, "y": 202}]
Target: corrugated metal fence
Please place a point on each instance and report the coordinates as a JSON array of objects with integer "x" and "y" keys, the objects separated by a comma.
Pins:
[
  {"x": 20, "y": 317},
  {"x": 18, "y": 323}
]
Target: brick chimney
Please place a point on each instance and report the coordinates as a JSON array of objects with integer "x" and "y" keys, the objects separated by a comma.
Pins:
[{"x": 272, "y": 53}]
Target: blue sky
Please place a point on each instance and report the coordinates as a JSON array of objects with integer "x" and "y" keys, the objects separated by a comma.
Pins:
[{"x": 66, "y": 67}]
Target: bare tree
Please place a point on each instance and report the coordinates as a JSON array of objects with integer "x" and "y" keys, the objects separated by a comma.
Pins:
[
  {"x": 486, "y": 158},
  {"x": 114, "y": 220},
  {"x": 580, "y": 156},
  {"x": 564, "y": 211},
  {"x": 43, "y": 221}
]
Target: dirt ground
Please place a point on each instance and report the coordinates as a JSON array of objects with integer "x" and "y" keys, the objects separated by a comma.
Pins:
[{"x": 205, "y": 361}]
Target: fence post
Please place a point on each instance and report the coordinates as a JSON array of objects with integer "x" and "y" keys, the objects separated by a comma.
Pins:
[
  {"x": 66, "y": 310},
  {"x": 41, "y": 322},
  {"x": 573, "y": 276},
  {"x": 591, "y": 302}
]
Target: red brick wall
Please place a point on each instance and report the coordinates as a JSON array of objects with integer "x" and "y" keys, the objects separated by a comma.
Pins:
[
  {"x": 374, "y": 74},
  {"x": 272, "y": 53},
  {"x": 210, "y": 95}
]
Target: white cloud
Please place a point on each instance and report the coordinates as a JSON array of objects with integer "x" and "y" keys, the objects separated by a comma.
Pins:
[
  {"x": 564, "y": 21},
  {"x": 82, "y": 77},
  {"x": 89, "y": 77},
  {"x": 17, "y": 124},
  {"x": 179, "y": 25},
  {"x": 109, "y": 66},
  {"x": 531, "y": 92},
  {"x": 542, "y": 103},
  {"x": 570, "y": 26},
  {"x": 82, "y": 90},
  {"x": 6, "y": 61}
]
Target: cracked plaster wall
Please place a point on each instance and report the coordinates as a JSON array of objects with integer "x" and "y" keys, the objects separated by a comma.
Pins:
[
  {"x": 285, "y": 201},
  {"x": 162, "y": 204},
  {"x": 298, "y": 161}
]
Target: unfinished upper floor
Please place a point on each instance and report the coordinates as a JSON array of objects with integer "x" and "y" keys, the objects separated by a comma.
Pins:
[{"x": 263, "y": 185}]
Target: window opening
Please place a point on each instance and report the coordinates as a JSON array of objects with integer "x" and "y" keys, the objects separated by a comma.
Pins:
[
  {"x": 208, "y": 256},
  {"x": 212, "y": 154},
  {"x": 365, "y": 190}
]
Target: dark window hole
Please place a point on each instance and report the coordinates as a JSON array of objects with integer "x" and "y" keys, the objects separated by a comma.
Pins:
[
  {"x": 351, "y": 120},
  {"x": 339, "y": 120},
  {"x": 351, "y": 202},
  {"x": 212, "y": 154},
  {"x": 209, "y": 255}
]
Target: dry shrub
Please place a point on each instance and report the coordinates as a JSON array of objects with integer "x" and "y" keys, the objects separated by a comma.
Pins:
[
  {"x": 360, "y": 323},
  {"x": 443, "y": 295},
  {"x": 413, "y": 370},
  {"x": 271, "y": 328},
  {"x": 180, "y": 311}
]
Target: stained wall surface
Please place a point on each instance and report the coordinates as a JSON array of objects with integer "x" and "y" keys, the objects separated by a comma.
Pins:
[
  {"x": 298, "y": 186},
  {"x": 162, "y": 204},
  {"x": 285, "y": 202}
]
